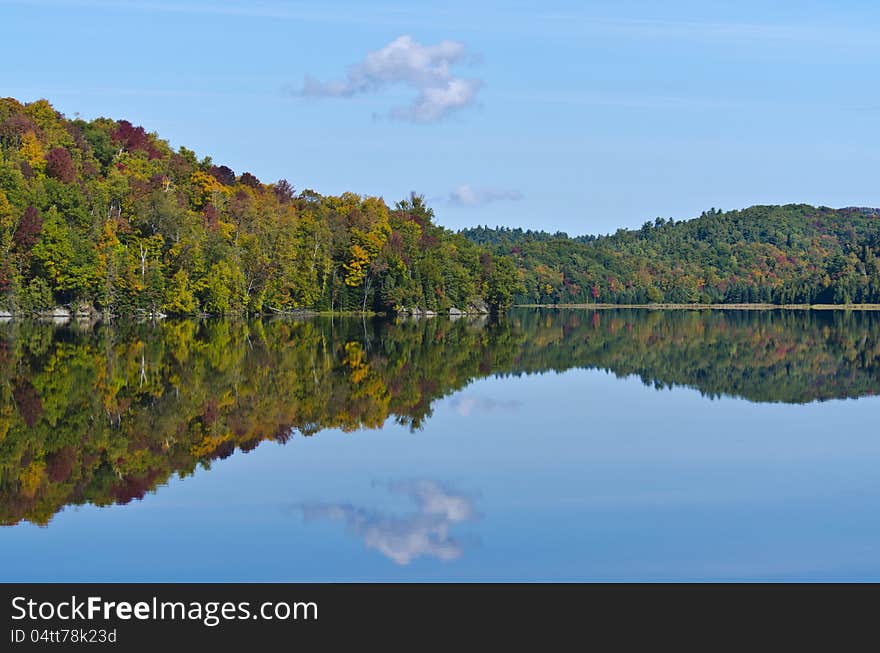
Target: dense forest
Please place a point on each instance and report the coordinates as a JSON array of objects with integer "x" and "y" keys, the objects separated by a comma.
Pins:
[
  {"x": 793, "y": 254},
  {"x": 103, "y": 216},
  {"x": 104, "y": 414}
]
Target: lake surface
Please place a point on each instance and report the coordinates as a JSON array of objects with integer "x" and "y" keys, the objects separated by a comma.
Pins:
[{"x": 549, "y": 445}]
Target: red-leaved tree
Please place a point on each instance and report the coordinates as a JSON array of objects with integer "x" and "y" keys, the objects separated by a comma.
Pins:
[
  {"x": 249, "y": 180},
  {"x": 283, "y": 191},
  {"x": 28, "y": 230},
  {"x": 60, "y": 166},
  {"x": 133, "y": 138},
  {"x": 223, "y": 174}
]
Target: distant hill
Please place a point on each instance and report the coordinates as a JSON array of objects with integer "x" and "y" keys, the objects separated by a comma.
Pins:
[{"x": 778, "y": 254}]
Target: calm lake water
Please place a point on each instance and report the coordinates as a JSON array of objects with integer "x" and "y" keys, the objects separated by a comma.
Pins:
[{"x": 550, "y": 445}]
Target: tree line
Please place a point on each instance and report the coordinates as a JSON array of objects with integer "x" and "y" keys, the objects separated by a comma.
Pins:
[
  {"x": 793, "y": 254},
  {"x": 103, "y": 216}
]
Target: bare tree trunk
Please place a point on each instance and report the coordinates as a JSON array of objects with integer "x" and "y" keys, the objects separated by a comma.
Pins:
[{"x": 367, "y": 285}]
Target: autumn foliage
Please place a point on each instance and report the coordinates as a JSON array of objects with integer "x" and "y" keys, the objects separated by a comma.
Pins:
[{"x": 106, "y": 214}]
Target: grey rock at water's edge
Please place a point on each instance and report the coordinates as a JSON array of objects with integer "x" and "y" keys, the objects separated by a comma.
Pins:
[
  {"x": 475, "y": 308},
  {"x": 57, "y": 313},
  {"x": 478, "y": 307}
]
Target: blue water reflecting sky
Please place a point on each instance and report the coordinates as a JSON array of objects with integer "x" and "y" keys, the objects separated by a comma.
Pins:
[{"x": 573, "y": 476}]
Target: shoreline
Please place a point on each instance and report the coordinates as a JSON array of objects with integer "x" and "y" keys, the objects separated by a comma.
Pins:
[
  {"x": 305, "y": 313},
  {"x": 716, "y": 307}
]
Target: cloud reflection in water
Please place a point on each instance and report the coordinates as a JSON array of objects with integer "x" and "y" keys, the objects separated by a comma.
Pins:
[
  {"x": 403, "y": 538},
  {"x": 467, "y": 404}
]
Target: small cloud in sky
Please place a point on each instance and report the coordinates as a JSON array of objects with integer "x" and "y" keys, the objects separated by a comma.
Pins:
[
  {"x": 404, "y": 61},
  {"x": 467, "y": 195},
  {"x": 403, "y": 538}
]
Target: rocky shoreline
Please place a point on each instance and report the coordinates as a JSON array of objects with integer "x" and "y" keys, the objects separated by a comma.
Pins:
[{"x": 84, "y": 312}]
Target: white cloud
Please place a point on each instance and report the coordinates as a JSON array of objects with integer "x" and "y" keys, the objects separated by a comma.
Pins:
[
  {"x": 424, "y": 68},
  {"x": 466, "y": 195},
  {"x": 425, "y": 532}
]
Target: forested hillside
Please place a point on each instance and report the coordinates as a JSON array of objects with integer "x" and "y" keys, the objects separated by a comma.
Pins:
[
  {"x": 104, "y": 216},
  {"x": 776, "y": 254}
]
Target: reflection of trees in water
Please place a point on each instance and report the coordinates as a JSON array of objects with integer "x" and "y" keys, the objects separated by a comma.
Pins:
[
  {"x": 102, "y": 416},
  {"x": 763, "y": 356}
]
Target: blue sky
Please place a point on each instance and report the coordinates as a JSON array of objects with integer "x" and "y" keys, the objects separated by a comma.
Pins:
[{"x": 580, "y": 116}]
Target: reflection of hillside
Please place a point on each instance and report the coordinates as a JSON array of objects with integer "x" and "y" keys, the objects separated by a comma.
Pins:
[
  {"x": 103, "y": 416},
  {"x": 763, "y": 356}
]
